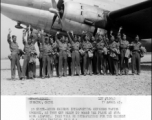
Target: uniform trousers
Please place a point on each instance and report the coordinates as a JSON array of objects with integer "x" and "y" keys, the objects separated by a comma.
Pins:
[
  {"x": 28, "y": 68},
  {"x": 41, "y": 65},
  {"x": 124, "y": 62},
  {"x": 94, "y": 61},
  {"x": 15, "y": 61},
  {"x": 114, "y": 66},
  {"x": 56, "y": 63},
  {"x": 75, "y": 62},
  {"x": 101, "y": 62},
  {"x": 69, "y": 60},
  {"x": 136, "y": 62},
  {"x": 62, "y": 63},
  {"x": 46, "y": 66},
  {"x": 87, "y": 64}
]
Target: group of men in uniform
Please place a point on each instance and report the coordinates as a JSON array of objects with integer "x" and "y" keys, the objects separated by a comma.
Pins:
[{"x": 74, "y": 55}]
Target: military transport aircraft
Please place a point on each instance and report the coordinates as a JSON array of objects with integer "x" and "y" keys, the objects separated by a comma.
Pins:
[{"x": 81, "y": 15}]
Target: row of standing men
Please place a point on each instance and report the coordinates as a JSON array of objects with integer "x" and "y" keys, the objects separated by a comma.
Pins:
[{"x": 83, "y": 54}]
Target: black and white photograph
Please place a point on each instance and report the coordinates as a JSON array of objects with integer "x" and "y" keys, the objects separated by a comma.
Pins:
[{"x": 76, "y": 48}]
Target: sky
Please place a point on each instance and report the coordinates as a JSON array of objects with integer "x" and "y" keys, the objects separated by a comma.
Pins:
[{"x": 7, "y": 23}]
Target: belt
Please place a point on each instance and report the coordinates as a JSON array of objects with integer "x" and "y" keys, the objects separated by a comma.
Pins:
[
  {"x": 76, "y": 50},
  {"x": 27, "y": 53},
  {"x": 63, "y": 50},
  {"x": 14, "y": 53},
  {"x": 135, "y": 51},
  {"x": 99, "y": 50},
  {"x": 123, "y": 48},
  {"x": 45, "y": 54}
]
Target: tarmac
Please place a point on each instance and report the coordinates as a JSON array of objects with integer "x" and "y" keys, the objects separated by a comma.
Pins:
[{"x": 79, "y": 85}]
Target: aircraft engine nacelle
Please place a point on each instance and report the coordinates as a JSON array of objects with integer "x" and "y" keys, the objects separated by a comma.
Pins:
[{"x": 85, "y": 14}]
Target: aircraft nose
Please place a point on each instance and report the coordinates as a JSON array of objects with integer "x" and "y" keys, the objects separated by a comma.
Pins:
[
  {"x": 28, "y": 16},
  {"x": 11, "y": 1},
  {"x": 19, "y": 13}
]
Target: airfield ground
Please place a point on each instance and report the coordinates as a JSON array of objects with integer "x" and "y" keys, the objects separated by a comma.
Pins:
[{"x": 79, "y": 85}]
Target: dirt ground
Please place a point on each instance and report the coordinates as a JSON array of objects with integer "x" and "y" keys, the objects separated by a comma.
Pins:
[{"x": 79, "y": 85}]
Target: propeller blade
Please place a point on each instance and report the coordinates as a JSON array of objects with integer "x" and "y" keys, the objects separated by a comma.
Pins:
[
  {"x": 60, "y": 3},
  {"x": 60, "y": 21},
  {"x": 54, "y": 18},
  {"x": 55, "y": 10},
  {"x": 52, "y": 10}
]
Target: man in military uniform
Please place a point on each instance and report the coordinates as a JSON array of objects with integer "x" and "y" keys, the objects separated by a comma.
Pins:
[
  {"x": 63, "y": 47},
  {"x": 75, "y": 54},
  {"x": 118, "y": 40},
  {"x": 34, "y": 40},
  {"x": 56, "y": 57},
  {"x": 14, "y": 55},
  {"x": 47, "y": 50},
  {"x": 101, "y": 61},
  {"x": 114, "y": 52},
  {"x": 51, "y": 55},
  {"x": 106, "y": 53},
  {"x": 94, "y": 60},
  {"x": 27, "y": 70},
  {"x": 39, "y": 43},
  {"x": 136, "y": 46},
  {"x": 80, "y": 39},
  {"x": 87, "y": 59},
  {"x": 69, "y": 59},
  {"x": 124, "y": 63}
]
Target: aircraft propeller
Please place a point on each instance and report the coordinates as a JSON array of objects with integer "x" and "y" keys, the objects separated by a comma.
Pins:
[{"x": 56, "y": 9}]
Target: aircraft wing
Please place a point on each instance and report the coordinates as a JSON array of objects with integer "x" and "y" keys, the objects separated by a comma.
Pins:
[{"x": 135, "y": 19}]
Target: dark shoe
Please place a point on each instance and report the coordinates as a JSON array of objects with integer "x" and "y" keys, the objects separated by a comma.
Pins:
[
  {"x": 79, "y": 74},
  {"x": 31, "y": 77},
  {"x": 98, "y": 73},
  {"x": 22, "y": 78},
  {"x": 104, "y": 74},
  {"x": 138, "y": 73},
  {"x": 13, "y": 79},
  {"x": 121, "y": 73},
  {"x": 126, "y": 73}
]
